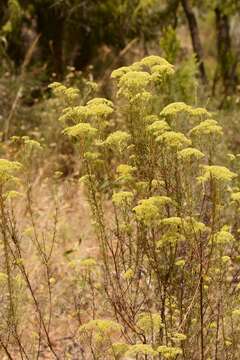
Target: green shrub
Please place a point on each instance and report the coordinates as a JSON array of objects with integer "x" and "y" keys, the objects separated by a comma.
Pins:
[
  {"x": 165, "y": 215},
  {"x": 163, "y": 281}
]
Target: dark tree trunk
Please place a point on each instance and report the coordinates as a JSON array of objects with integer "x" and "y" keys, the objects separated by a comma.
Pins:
[
  {"x": 3, "y": 12},
  {"x": 195, "y": 36},
  {"x": 50, "y": 24},
  {"x": 87, "y": 49},
  {"x": 226, "y": 60}
]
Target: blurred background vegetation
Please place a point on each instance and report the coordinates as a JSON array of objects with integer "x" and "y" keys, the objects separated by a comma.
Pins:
[{"x": 79, "y": 42}]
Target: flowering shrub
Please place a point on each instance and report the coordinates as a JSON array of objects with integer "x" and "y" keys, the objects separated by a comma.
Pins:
[
  {"x": 166, "y": 216},
  {"x": 169, "y": 247}
]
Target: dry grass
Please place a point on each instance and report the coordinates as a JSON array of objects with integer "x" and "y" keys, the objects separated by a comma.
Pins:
[{"x": 74, "y": 241}]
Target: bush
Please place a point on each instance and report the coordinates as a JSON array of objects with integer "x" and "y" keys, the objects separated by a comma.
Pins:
[
  {"x": 165, "y": 215},
  {"x": 165, "y": 210}
]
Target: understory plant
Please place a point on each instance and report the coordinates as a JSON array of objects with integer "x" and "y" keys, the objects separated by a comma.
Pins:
[
  {"x": 26, "y": 302},
  {"x": 165, "y": 213},
  {"x": 164, "y": 280}
]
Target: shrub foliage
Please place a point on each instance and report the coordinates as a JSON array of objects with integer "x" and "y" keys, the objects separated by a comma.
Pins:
[
  {"x": 165, "y": 214},
  {"x": 169, "y": 244}
]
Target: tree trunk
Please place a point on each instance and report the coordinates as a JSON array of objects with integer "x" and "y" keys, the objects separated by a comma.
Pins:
[
  {"x": 226, "y": 60},
  {"x": 50, "y": 24},
  {"x": 195, "y": 36}
]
